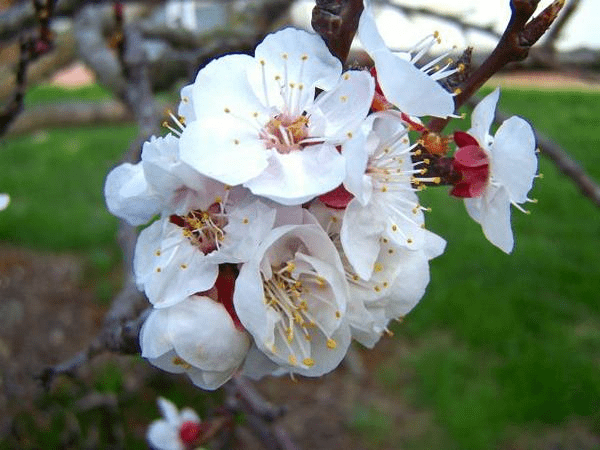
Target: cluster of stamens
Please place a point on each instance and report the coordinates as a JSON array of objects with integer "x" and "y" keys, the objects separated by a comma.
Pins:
[
  {"x": 284, "y": 133},
  {"x": 286, "y": 294},
  {"x": 203, "y": 228}
]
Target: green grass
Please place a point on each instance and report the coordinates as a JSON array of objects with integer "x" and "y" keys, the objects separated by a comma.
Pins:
[{"x": 523, "y": 344}]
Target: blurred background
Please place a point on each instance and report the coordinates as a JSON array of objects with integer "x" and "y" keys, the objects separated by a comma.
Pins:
[{"x": 503, "y": 352}]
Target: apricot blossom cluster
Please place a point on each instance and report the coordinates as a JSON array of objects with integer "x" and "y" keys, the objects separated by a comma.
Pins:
[{"x": 283, "y": 209}]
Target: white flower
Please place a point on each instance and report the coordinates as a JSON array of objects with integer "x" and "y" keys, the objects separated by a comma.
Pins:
[
  {"x": 385, "y": 204},
  {"x": 512, "y": 166},
  {"x": 4, "y": 201},
  {"x": 179, "y": 255},
  {"x": 397, "y": 282},
  {"x": 414, "y": 91},
  {"x": 176, "y": 431},
  {"x": 198, "y": 337},
  {"x": 258, "y": 122},
  {"x": 291, "y": 297}
]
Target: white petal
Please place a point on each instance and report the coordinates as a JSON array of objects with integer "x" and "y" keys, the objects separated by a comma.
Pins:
[
  {"x": 163, "y": 436},
  {"x": 247, "y": 225},
  {"x": 356, "y": 155},
  {"x": 296, "y": 57},
  {"x": 168, "y": 410},
  {"x": 514, "y": 162},
  {"x": 129, "y": 196},
  {"x": 223, "y": 85},
  {"x": 169, "y": 267},
  {"x": 208, "y": 379},
  {"x": 368, "y": 33},
  {"x": 345, "y": 106},
  {"x": 360, "y": 236},
  {"x": 154, "y": 338},
  {"x": 186, "y": 108},
  {"x": 203, "y": 334},
  {"x": 483, "y": 117},
  {"x": 495, "y": 218},
  {"x": 298, "y": 176},
  {"x": 412, "y": 91},
  {"x": 4, "y": 201},
  {"x": 224, "y": 150}
]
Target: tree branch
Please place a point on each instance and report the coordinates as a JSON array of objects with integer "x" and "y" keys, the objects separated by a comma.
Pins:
[
  {"x": 518, "y": 37},
  {"x": 336, "y": 21}
]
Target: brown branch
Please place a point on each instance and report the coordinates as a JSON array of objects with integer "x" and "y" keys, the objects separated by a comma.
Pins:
[
  {"x": 30, "y": 49},
  {"x": 261, "y": 415},
  {"x": 518, "y": 37},
  {"x": 336, "y": 21}
]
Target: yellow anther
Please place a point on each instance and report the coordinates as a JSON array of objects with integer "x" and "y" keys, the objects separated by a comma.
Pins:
[
  {"x": 378, "y": 267},
  {"x": 292, "y": 359},
  {"x": 308, "y": 362},
  {"x": 226, "y": 110},
  {"x": 331, "y": 344}
]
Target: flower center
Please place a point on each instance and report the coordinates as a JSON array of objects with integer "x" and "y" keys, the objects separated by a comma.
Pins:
[
  {"x": 288, "y": 293},
  {"x": 189, "y": 432},
  {"x": 285, "y": 133},
  {"x": 203, "y": 228}
]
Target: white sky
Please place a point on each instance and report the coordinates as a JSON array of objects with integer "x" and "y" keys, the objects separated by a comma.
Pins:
[{"x": 582, "y": 30}]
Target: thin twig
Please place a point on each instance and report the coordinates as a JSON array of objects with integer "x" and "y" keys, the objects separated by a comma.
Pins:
[{"x": 518, "y": 37}]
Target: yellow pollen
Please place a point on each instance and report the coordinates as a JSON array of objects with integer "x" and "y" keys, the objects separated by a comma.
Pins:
[
  {"x": 457, "y": 91},
  {"x": 355, "y": 277},
  {"x": 304, "y": 57},
  {"x": 308, "y": 337},
  {"x": 394, "y": 227},
  {"x": 245, "y": 221},
  {"x": 177, "y": 361},
  {"x": 277, "y": 77},
  {"x": 292, "y": 359},
  {"x": 292, "y": 85},
  {"x": 157, "y": 253},
  {"x": 377, "y": 289},
  {"x": 338, "y": 314},
  {"x": 344, "y": 98},
  {"x": 437, "y": 180},
  {"x": 378, "y": 267},
  {"x": 184, "y": 266},
  {"x": 227, "y": 110},
  {"x": 308, "y": 362},
  {"x": 346, "y": 76},
  {"x": 385, "y": 284},
  {"x": 334, "y": 219},
  {"x": 262, "y": 62},
  {"x": 301, "y": 86},
  {"x": 331, "y": 344},
  {"x": 349, "y": 134},
  {"x": 461, "y": 67},
  {"x": 409, "y": 241},
  {"x": 384, "y": 188}
]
